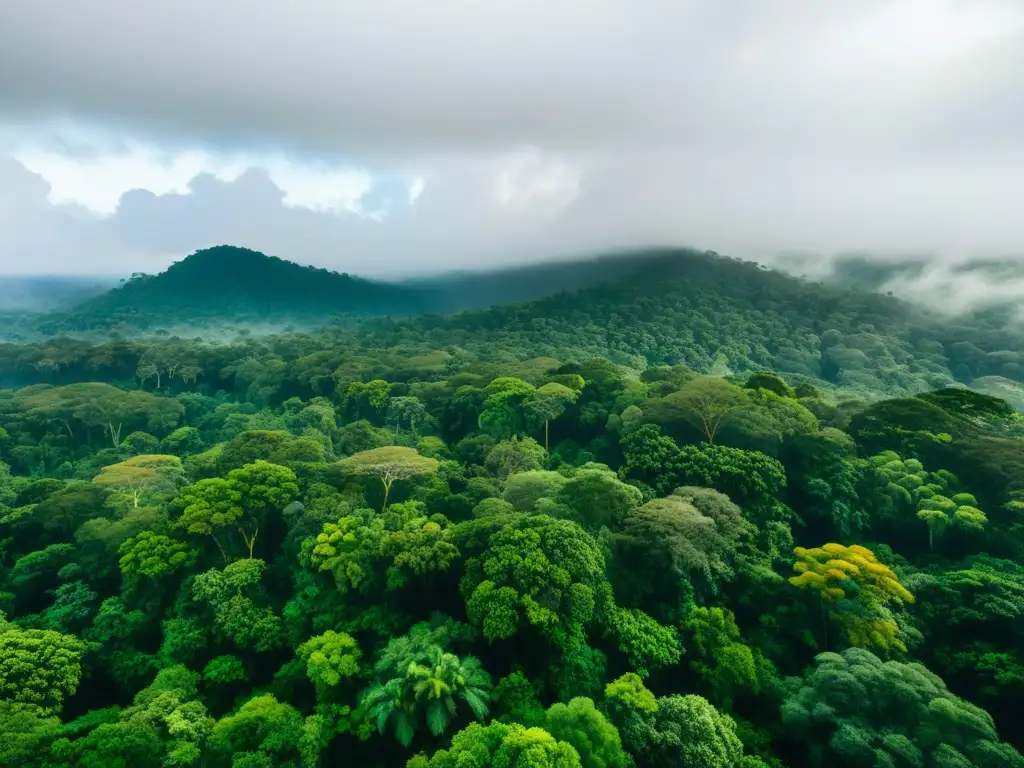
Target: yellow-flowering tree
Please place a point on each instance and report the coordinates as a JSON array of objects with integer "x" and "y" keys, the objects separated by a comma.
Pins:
[{"x": 855, "y": 590}]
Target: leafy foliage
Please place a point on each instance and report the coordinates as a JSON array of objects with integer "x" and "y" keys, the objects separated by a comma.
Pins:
[{"x": 584, "y": 531}]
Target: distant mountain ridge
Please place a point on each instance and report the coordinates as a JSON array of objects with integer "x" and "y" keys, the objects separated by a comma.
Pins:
[
  {"x": 226, "y": 289},
  {"x": 244, "y": 285}
]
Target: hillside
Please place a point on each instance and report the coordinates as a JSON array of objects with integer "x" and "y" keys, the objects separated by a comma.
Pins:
[
  {"x": 261, "y": 544},
  {"x": 711, "y": 313},
  {"x": 263, "y": 541},
  {"x": 462, "y": 291},
  {"x": 714, "y": 313},
  {"x": 226, "y": 282},
  {"x": 225, "y": 286}
]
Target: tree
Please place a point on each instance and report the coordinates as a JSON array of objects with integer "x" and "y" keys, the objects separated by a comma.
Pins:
[
  {"x": 183, "y": 441},
  {"x": 771, "y": 382},
  {"x": 707, "y": 403},
  {"x": 431, "y": 690},
  {"x": 362, "y": 550},
  {"x": 503, "y": 415},
  {"x": 234, "y": 595},
  {"x": 547, "y": 403},
  {"x": 262, "y": 487},
  {"x": 524, "y": 489},
  {"x": 389, "y": 464},
  {"x": 511, "y": 456},
  {"x": 595, "y": 739},
  {"x": 689, "y": 540},
  {"x": 25, "y": 737},
  {"x": 751, "y": 479},
  {"x": 330, "y": 658},
  {"x": 596, "y": 497},
  {"x": 827, "y": 481},
  {"x": 72, "y": 609},
  {"x": 631, "y": 707},
  {"x": 139, "y": 442},
  {"x": 153, "y": 555},
  {"x": 941, "y": 513},
  {"x": 972, "y": 615},
  {"x": 498, "y": 744},
  {"x": 540, "y": 571},
  {"x": 240, "y": 503},
  {"x": 725, "y": 665},
  {"x": 514, "y": 700},
  {"x": 208, "y": 508},
  {"x": 91, "y": 407},
  {"x": 146, "y": 478},
  {"x": 688, "y": 732},
  {"x": 651, "y": 458},
  {"x": 39, "y": 668},
  {"x": 369, "y": 399},
  {"x": 838, "y": 574},
  {"x": 669, "y": 546},
  {"x": 642, "y": 640},
  {"x": 165, "y": 725},
  {"x": 854, "y": 709},
  {"x": 67, "y": 509},
  {"x": 406, "y": 410},
  {"x": 224, "y": 670},
  {"x": 262, "y": 732}
]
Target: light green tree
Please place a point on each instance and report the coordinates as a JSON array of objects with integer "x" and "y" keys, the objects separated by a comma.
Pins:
[
  {"x": 595, "y": 739},
  {"x": 39, "y": 668},
  {"x": 389, "y": 464},
  {"x": 330, "y": 658}
]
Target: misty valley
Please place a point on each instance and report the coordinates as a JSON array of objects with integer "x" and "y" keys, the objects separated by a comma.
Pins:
[{"x": 654, "y": 509}]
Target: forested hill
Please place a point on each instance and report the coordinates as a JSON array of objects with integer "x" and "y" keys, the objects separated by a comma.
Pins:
[
  {"x": 227, "y": 285},
  {"x": 240, "y": 284},
  {"x": 516, "y": 537},
  {"x": 462, "y": 291},
  {"x": 711, "y": 313},
  {"x": 231, "y": 285},
  {"x": 716, "y": 314}
]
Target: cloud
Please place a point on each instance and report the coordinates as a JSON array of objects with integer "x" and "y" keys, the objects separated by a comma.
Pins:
[{"x": 394, "y": 137}]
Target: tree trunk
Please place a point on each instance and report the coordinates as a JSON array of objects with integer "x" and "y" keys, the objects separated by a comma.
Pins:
[
  {"x": 250, "y": 543},
  {"x": 222, "y": 552},
  {"x": 387, "y": 490},
  {"x": 546, "y": 422}
]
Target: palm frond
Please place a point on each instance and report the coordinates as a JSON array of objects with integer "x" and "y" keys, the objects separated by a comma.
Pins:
[
  {"x": 437, "y": 717},
  {"x": 477, "y": 701},
  {"x": 405, "y": 728}
]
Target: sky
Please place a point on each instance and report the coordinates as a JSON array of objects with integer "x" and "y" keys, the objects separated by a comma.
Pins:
[{"x": 390, "y": 138}]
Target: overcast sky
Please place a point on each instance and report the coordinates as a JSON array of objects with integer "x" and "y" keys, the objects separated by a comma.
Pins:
[{"x": 387, "y": 137}]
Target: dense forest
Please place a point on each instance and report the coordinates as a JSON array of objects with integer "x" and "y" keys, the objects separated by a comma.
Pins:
[
  {"x": 231, "y": 287},
  {"x": 701, "y": 514}
]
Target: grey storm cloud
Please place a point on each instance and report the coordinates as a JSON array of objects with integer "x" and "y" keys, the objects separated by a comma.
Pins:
[
  {"x": 742, "y": 126},
  {"x": 395, "y": 76}
]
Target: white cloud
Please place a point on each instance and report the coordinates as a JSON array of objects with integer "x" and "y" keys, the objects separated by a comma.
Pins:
[
  {"x": 396, "y": 137},
  {"x": 533, "y": 178},
  {"x": 92, "y": 169},
  {"x": 326, "y": 190},
  {"x": 98, "y": 180}
]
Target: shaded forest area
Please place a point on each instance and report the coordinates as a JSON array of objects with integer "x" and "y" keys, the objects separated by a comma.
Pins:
[{"x": 705, "y": 515}]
